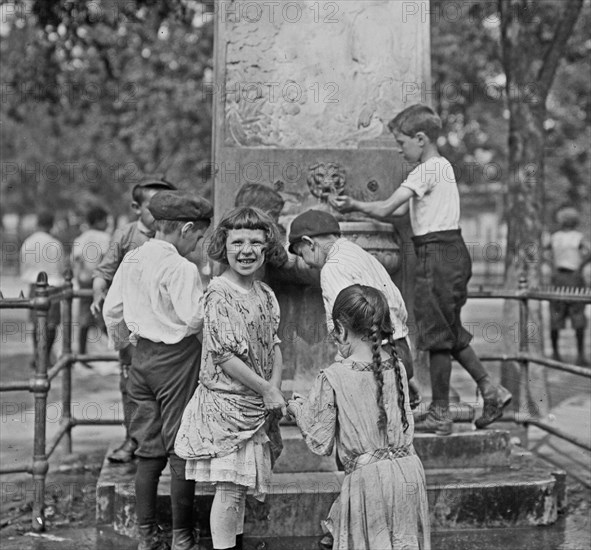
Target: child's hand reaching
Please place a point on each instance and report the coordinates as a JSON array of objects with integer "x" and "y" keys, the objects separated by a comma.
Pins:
[
  {"x": 342, "y": 203},
  {"x": 273, "y": 400},
  {"x": 294, "y": 405}
]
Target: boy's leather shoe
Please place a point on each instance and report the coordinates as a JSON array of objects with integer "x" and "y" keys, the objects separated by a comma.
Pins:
[
  {"x": 185, "y": 539},
  {"x": 152, "y": 538},
  {"x": 124, "y": 453},
  {"x": 326, "y": 542},
  {"x": 495, "y": 400},
  {"x": 437, "y": 421}
]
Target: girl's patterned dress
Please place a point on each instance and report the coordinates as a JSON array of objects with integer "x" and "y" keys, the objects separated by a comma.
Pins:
[
  {"x": 383, "y": 500},
  {"x": 226, "y": 434}
]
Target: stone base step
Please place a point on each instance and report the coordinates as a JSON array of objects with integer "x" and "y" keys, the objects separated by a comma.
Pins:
[
  {"x": 558, "y": 535},
  {"x": 526, "y": 493},
  {"x": 466, "y": 446}
]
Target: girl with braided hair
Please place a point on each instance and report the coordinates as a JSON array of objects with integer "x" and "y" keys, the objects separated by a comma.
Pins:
[{"x": 361, "y": 403}]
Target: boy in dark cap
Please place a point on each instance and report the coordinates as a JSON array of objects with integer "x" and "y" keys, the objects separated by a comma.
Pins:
[
  {"x": 315, "y": 236},
  {"x": 154, "y": 301},
  {"x": 127, "y": 238}
]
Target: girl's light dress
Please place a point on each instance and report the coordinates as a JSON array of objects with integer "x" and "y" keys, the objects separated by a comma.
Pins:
[
  {"x": 225, "y": 433},
  {"x": 383, "y": 500}
]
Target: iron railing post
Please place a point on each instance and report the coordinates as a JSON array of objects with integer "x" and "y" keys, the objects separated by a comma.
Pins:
[
  {"x": 67, "y": 327},
  {"x": 524, "y": 390},
  {"x": 40, "y": 387}
]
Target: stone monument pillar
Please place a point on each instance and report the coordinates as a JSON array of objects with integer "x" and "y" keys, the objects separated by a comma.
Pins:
[{"x": 303, "y": 91}]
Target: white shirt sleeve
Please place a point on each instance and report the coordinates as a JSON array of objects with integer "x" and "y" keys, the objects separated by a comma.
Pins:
[
  {"x": 333, "y": 278},
  {"x": 117, "y": 330},
  {"x": 186, "y": 290},
  {"x": 420, "y": 181}
]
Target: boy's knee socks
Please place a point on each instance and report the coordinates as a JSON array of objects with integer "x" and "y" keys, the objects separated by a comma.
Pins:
[
  {"x": 469, "y": 360},
  {"x": 440, "y": 370},
  {"x": 146, "y": 488},
  {"x": 182, "y": 493}
]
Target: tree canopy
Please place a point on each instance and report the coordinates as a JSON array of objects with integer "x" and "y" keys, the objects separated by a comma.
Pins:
[{"x": 96, "y": 94}]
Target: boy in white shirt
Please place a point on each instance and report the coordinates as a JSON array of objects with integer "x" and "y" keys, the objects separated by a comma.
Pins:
[
  {"x": 444, "y": 266},
  {"x": 88, "y": 250},
  {"x": 154, "y": 301}
]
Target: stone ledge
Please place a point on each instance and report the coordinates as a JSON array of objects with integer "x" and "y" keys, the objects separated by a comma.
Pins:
[
  {"x": 526, "y": 493},
  {"x": 479, "y": 448}
]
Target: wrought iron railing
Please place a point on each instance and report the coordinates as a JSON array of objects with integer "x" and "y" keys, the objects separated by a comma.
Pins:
[
  {"x": 40, "y": 384},
  {"x": 524, "y": 357}
]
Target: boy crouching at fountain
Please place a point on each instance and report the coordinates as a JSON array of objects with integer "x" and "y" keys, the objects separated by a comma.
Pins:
[
  {"x": 315, "y": 236},
  {"x": 155, "y": 298}
]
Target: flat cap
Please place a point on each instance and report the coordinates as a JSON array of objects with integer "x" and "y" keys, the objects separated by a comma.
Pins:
[
  {"x": 157, "y": 183},
  {"x": 310, "y": 224},
  {"x": 176, "y": 205}
]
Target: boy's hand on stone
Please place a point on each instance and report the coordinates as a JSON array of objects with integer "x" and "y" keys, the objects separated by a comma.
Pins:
[{"x": 342, "y": 203}]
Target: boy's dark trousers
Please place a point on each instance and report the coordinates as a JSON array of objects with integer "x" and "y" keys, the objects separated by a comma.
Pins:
[
  {"x": 162, "y": 380},
  {"x": 125, "y": 452}
]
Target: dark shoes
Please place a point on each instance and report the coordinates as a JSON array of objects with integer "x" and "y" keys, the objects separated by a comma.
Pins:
[
  {"x": 152, "y": 538},
  {"x": 437, "y": 421},
  {"x": 124, "y": 453},
  {"x": 496, "y": 398},
  {"x": 326, "y": 542},
  {"x": 185, "y": 539}
]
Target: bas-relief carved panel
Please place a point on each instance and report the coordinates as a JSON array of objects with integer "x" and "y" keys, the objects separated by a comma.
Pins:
[{"x": 330, "y": 78}]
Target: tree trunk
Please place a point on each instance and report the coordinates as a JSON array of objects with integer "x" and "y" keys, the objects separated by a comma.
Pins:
[{"x": 533, "y": 36}]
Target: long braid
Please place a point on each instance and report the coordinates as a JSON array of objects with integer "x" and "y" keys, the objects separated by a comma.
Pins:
[
  {"x": 364, "y": 311},
  {"x": 399, "y": 383},
  {"x": 376, "y": 367}
]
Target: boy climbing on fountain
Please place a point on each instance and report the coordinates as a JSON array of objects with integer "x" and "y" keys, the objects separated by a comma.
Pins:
[{"x": 444, "y": 266}]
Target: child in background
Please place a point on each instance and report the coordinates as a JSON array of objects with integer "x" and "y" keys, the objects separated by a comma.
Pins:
[
  {"x": 87, "y": 252},
  {"x": 262, "y": 197},
  {"x": 229, "y": 433},
  {"x": 41, "y": 251},
  {"x": 128, "y": 238},
  {"x": 315, "y": 236},
  {"x": 155, "y": 302},
  {"x": 443, "y": 266},
  {"x": 361, "y": 404},
  {"x": 570, "y": 251}
]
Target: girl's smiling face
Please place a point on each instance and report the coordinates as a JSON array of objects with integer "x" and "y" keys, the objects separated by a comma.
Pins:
[{"x": 245, "y": 251}]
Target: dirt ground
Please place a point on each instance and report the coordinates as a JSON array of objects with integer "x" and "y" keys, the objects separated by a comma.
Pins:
[{"x": 70, "y": 489}]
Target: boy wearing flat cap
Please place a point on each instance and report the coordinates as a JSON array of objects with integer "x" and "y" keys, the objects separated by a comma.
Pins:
[
  {"x": 154, "y": 301},
  {"x": 127, "y": 238},
  {"x": 569, "y": 252},
  {"x": 315, "y": 236}
]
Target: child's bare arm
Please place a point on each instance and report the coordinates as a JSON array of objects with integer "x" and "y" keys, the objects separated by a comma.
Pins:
[
  {"x": 277, "y": 368},
  {"x": 272, "y": 396},
  {"x": 395, "y": 205}
]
